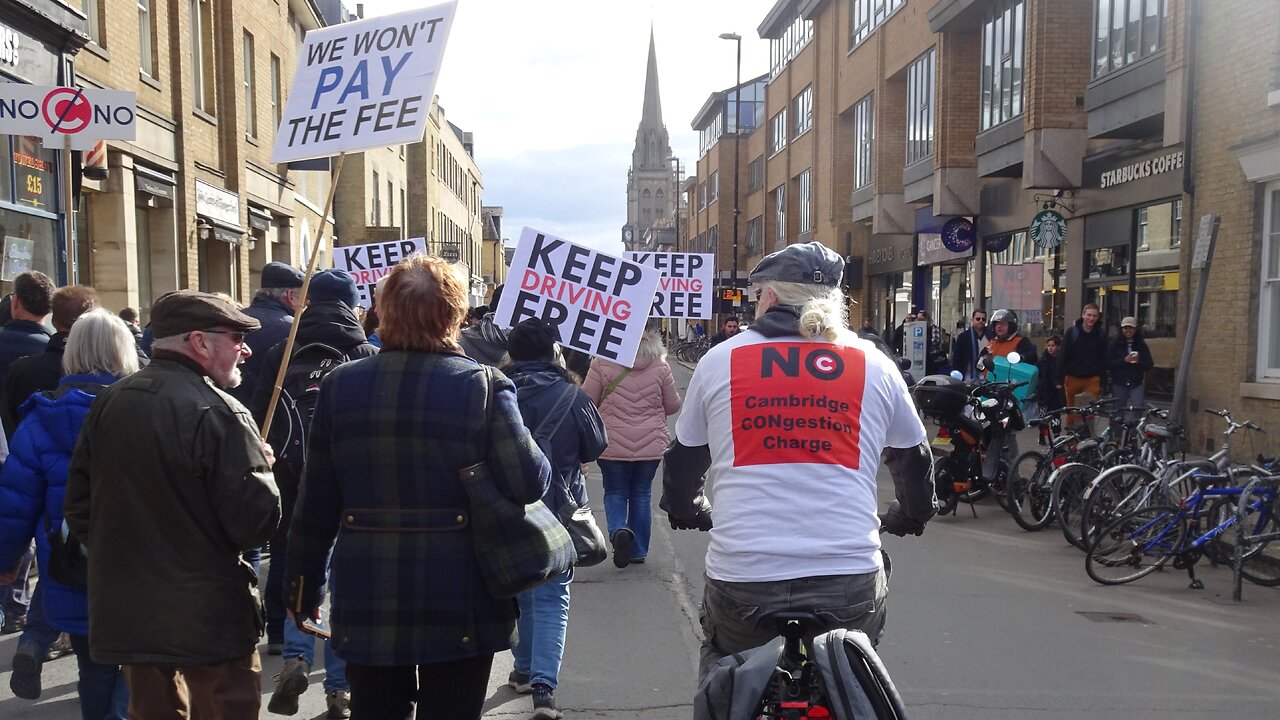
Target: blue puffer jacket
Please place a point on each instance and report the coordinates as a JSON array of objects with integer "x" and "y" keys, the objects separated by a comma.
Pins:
[{"x": 34, "y": 481}]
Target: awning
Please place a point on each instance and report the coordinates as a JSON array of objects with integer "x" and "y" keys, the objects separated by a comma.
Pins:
[
  {"x": 224, "y": 231},
  {"x": 259, "y": 218}
]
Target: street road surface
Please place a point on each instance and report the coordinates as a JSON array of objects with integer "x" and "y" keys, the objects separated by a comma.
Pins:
[{"x": 985, "y": 622}]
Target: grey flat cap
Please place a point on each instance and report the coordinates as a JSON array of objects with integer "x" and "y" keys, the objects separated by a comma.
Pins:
[{"x": 811, "y": 263}]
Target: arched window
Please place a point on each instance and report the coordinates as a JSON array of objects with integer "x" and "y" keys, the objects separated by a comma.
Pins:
[{"x": 646, "y": 195}]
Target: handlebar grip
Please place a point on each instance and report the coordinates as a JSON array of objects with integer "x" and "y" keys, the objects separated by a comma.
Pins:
[{"x": 1219, "y": 413}]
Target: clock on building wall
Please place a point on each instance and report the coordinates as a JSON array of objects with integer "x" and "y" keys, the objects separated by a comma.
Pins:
[
  {"x": 1048, "y": 229},
  {"x": 628, "y": 235}
]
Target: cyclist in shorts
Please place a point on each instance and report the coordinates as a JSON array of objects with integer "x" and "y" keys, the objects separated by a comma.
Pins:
[{"x": 791, "y": 419}]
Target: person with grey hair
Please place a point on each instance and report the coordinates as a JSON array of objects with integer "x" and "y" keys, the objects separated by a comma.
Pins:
[
  {"x": 789, "y": 419},
  {"x": 169, "y": 484},
  {"x": 99, "y": 350}
]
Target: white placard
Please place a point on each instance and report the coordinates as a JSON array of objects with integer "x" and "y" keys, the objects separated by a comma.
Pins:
[
  {"x": 598, "y": 303},
  {"x": 1017, "y": 287},
  {"x": 370, "y": 263},
  {"x": 83, "y": 116},
  {"x": 364, "y": 84},
  {"x": 686, "y": 289}
]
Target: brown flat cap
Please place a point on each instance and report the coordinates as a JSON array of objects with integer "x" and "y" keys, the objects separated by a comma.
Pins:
[{"x": 183, "y": 311}]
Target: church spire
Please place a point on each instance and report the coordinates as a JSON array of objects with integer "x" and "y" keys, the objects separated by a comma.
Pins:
[{"x": 652, "y": 113}]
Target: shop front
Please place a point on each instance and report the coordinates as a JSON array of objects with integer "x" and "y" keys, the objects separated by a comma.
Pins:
[
  {"x": 220, "y": 236},
  {"x": 890, "y": 260},
  {"x": 40, "y": 37}
]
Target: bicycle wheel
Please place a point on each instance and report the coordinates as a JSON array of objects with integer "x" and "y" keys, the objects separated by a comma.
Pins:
[
  {"x": 1115, "y": 492},
  {"x": 1030, "y": 495},
  {"x": 1069, "y": 483},
  {"x": 1135, "y": 545},
  {"x": 1261, "y": 558}
]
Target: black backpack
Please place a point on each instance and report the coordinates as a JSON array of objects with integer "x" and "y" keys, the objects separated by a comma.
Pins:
[{"x": 298, "y": 395}]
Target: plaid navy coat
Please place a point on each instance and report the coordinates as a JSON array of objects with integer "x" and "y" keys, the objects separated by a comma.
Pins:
[{"x": 389, "y": 434}]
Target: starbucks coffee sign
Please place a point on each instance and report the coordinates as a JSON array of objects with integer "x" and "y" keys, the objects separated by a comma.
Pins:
[
  {"x": 1048, "y": 229},
  {"x": 1141, "y": 169}
]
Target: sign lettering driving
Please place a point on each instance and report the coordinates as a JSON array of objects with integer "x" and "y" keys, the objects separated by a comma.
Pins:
[
  {"x": 364, "y": 84},
  {"x": 370, "y": 263},
  {"x": 596, "y": 302},
  {"x": 685, "y": 289},
  {"x": 82, "y": 116}
]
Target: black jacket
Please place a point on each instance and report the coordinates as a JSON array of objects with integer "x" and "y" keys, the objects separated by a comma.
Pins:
[
  {"x": 29, "y": 375},
  {"x": 1083, "y": 354},
  {"x": 276, "y": 318},
  {"x": 486, "y": 343},
  {"x": 329, "y": 322},
  {"x": 1126, "y": 373},
  {"x": 1048, "y": 394},
  {"x": 965, "y": 350}
]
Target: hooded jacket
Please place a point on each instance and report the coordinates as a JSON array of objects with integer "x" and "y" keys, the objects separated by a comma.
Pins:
[
  {"x": 1083, "y": 353},
  {"x": 1123, "y": 372},
  {"x": 635, "y": 413},
  {"x": 34, "y": 482},
  {"x": 486, "y": 343},
  {"x": 580, "y": 438}
]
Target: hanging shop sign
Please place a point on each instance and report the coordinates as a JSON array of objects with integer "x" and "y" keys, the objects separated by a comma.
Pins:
[
  {"x": 932, "y": 250},
  {"x": 82, "y": 116},
  {"x": 1048, "y": 229},
  {"x": 958, "y": 234},
  {"x": 997, "y": 244}
]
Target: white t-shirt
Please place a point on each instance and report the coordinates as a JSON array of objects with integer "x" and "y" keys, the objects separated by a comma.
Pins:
[{"x": 795, "y": 429}]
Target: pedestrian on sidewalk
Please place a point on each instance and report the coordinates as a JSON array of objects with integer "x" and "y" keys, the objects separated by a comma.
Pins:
[
  {"x": 98, "y": 351},
  {"x": 170, "y": 482},
  {"x": 548, "y": 395},
  {"x": 1082, "y": 361},
  {"x": 329, "y": 336},
  {"x": 411, "y": 613},
  {"x": 634, "y": 403},
  {"x": 969, "y": 345},
  {"x": 1129, "y": 359},
  {"x": 1048, "y": 394}
]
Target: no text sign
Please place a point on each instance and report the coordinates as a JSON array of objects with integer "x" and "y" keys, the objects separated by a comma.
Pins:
[{"x": 82, "y": 116}]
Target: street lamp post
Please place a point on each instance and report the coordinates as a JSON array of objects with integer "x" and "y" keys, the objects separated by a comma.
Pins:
[{"x": 737, "y": 137}]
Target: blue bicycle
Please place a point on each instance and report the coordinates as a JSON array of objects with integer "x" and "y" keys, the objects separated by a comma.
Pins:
[{"x": 1140, "y": 542}]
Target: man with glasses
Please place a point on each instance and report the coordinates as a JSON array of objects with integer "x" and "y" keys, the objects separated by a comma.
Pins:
[
  {"x": 968, "y": 345},
  {"x": 169, "y": 484}
]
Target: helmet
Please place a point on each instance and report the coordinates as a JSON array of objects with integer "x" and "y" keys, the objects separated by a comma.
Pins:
[{"x": 1005, "y": 316}]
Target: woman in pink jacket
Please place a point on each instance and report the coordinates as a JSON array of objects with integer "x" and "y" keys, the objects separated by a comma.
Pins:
[{"x": 634, "y": 403}]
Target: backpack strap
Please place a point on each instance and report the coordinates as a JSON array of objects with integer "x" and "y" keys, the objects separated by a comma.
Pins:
[
  {"x": 614, "y": 385},
  {"x": 559, "y": 412}
]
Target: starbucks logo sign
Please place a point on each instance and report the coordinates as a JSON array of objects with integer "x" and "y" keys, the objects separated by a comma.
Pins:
[{"x": 1048, "y": 229}]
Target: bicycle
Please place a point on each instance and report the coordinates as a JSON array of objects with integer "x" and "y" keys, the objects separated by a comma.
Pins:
[
  {"x": 1030, "y": 486},
  {"x": 1140, "y": 542}
]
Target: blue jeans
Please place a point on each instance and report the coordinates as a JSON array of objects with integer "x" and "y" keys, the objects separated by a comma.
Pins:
[
  {"x": 38, "y": 631},
  {"x": 1135, "y": 396},
  {"x": 103, "y": 693},
  {"x": 628, "y": 499},
  {"x": 544, "y": 618},
  {"x": 300, "y": 644}
]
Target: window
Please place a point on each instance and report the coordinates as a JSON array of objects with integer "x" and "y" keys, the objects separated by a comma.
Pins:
[
  {"x": 1144, "y": 227},
  {"x": 375, "y": 214},
  {"x": 1127, "y": 31},
  {"x": 745, "y": 116},
  {"x": 146, "y": 39},
  {"x": 1003, "y": 59},
  {"x": 202, "y": 69},
  {"x": 391, "y": 203},
  {"x": 755, "y": 175},
  {"x": 804, "y": 184},
  {"x": 920, "y": 108},
  {"x": 780, "y": 215},
  {"x": 866, "y": 15},
  {"x": 802, "y": 109},
  {"x": 713, "y": 187},
  {"x": 250, "y": 88},
  {"x": 93, "y": 20},
  {"x": 755, "y": 235},
  {"x": 786, "y": 46},
  {"x": 864, "y": 139},
  {"x": 713, "y": 240},
  {"x": 708, "y": 135},
  {"x": 702, "y": 196},
  {"x": 1269, "y": 307},
  {"x": 778, "y": 132},
  {"x": 1175, "y": 237},
  {"x": 277, "y": 103}
]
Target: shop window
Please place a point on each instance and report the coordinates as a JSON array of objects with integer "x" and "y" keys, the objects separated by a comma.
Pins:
[
  {"x": 1003, "y": 60},
  {"x": 1156, "y": 274},
  {"x": 1269, "y": 305},
  {"x": 1127, "y": 31}
]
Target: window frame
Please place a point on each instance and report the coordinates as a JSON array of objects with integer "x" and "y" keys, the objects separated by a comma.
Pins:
[
  {"x": 864, "y": 140},
  {"x": 713, "y": 187},
  {"x": 93, "y": 26},
  {"x": 250, "y": 84},
  {"x": 277, "y": 100},
  {"x": 804, "y": 200},
  {"x": 778, "y": 132},
  {"x": 780, "y": 214},
  {"x": 204, "y": 95},
  {"x": 802, "y": 109},
  {"x": 147, "y": 38},
  {"x": 921, "y": 88},
  {"x": 1002, "y": 92},
  {"x": 755, "y": 174},
  {"x": 755, "y": 235},
  {"x": 1108, "y": 38},
  {"x": 867, "y": 15},
  {"x": 1268, "y": 285}
]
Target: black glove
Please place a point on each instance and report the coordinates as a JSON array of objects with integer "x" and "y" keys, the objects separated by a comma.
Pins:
[
  {"x": 701, "y": 519},
  {"x": 894, "y": 522}
]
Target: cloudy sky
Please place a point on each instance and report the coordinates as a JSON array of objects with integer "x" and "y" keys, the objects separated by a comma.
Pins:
[{"x": 553, "y": 90}]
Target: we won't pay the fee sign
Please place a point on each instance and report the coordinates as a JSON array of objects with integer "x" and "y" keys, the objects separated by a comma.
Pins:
[{"x": 364, "y": 84}]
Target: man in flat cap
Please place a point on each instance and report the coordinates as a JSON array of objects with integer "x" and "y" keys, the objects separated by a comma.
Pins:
[
  {"x": 274, "y": 306},
  {"x": 169, "y": 484},
  {"x": 788, "y": 420}
]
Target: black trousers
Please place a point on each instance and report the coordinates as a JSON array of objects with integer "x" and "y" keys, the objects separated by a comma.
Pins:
[{"x": 441, "y": 691}]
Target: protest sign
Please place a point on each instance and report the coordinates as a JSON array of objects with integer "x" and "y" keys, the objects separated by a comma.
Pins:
[
  {"x": 597, "y": 303},
  {"x": 370, "y": 263},
  {"x": 364, "y": 84},
  {"x": 686, "y": 287},
  {"x": 81, "y": 116}
]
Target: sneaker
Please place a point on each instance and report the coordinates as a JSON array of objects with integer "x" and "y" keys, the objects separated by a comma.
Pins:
[
  {"x": 544, "y": 703},
  {"x": 290, "y": 683},
  {"x": 519, "y": 682},
  {"x": 60, "y": 648},
  {"x": 622, "y": 540},
  {"x": 339, "y": 702},
  {"x": 25, "y": 680}
]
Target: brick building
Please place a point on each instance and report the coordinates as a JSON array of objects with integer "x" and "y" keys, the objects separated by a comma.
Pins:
[
  {"x": 194, "y": 201},
  {"x": 1032, "y": 154}
]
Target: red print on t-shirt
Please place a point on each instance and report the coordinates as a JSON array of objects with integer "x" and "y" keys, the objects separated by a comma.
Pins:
[{"x": 796, "y": 402}]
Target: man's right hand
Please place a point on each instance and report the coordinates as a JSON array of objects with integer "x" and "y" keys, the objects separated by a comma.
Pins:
[{"x": 894, "y": 522}]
